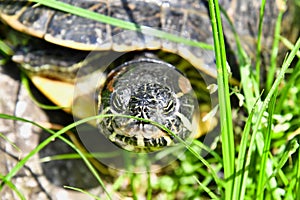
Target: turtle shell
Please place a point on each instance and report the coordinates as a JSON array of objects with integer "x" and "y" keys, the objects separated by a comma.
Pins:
[{"x": 184, "y": 18}]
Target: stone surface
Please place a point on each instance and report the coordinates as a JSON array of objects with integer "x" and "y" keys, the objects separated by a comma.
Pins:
[{"x": 31, "y": 179}]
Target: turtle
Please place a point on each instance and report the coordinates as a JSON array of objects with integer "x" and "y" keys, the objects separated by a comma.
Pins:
[
  {"x": 70, "y": 38},
  {"x": 151, "y": 90},
  {"x": 154, "y": 90}
]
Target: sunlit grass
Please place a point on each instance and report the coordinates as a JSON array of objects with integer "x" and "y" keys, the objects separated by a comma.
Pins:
[
  {"x": 82, "y": 191},
  {"x": 227, "y": 136}
]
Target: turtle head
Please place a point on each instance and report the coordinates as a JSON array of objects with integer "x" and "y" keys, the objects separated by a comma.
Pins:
[{"x": 146, "y": 91}]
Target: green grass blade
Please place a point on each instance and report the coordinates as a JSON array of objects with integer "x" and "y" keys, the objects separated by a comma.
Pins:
[
  {"x": 265, "y": 104},
  {"x": 13, "y": 187},
  {"x": 5, "y": 49},
  {"x": 224, "y": 99},
  {"x": 25, "y": 83},
  {"x": 242, "y": 57},
  {"x": 10, "y": 142},
  {"x": 187, "y": 146},
  {"x": 274, "y": 53},
  {"x": 54, "y": 135},
  {"x": 149, "y": 188},
  {"x": 207, "y": 190},
  {"x": 289, "y": 45},
  {"x": 297, "y": 188},
  {"x": 207, "y": 149},
  {"x": 164, "y": 128},
  {"x": 76, "y": 156},
  {"x": 289, "y": 183},
  {"x": 267, "y": 142},
  {"x": 5, "y": 52},
  {"x": 292, "y": 148},
  {"x": 92, "y": 169},
  {"x": 240, "y": 182},
  {"x": 247, "y": 76},
  {"x": 190, "y": 149},
  {"x": 284, "y": 91},
  {"x": 132, "y": 177},
  {"x": 82, "y": 191},
  {"x": 259, "y": 36},
  {"x": 120, "y": 23}
]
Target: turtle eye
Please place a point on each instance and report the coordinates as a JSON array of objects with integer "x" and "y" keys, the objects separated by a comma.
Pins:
[
  {"x": 166, "y": 100},
  {"x": 120, "y": 99}
]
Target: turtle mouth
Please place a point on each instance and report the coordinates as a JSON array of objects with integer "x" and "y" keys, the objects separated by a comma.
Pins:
[
  {"x": 137, "y": 135},
  {"x": 141, "y": 144}
]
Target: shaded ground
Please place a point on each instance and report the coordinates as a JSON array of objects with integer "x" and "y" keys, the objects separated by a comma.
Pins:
[{"x": 31, "y": 179}]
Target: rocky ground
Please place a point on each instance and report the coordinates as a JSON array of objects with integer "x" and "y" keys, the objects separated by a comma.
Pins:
[{"x": 35, "y": 180}]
